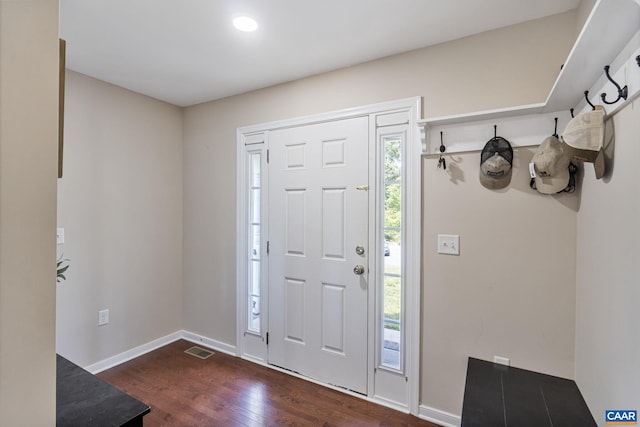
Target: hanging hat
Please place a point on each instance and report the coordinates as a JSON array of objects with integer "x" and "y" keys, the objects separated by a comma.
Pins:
[
  {"x": 551, "y": 165},
  {"x": 495, "y": 163},
  {"x": 585, "y": 137}
]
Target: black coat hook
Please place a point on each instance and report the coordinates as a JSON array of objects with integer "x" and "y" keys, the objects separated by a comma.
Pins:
[
  {"x": 442, "y": 162},
  {"x": 495, "y": 131},
  {"x": 622, "y": 91},
  {"x": 638, "y": 60},
  {"x": 586, "y": 96},
  {"x": 555, "y": 128},
  {"x": 571, "y": 111}
]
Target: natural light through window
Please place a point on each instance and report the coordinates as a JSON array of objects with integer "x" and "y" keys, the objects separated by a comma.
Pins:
[
  {"x": 254, "y": 159},
  {"x": 392, "y": 148}
]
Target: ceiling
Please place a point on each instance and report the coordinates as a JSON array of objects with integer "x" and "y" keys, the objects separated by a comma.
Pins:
[{"x": 187, "y": 51}]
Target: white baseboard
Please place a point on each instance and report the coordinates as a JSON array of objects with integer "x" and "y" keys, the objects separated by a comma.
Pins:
[
  {"x": 112, "y": 361},
  {"x": 209, "y": 342},
  {"x": 437, "y": 416},
  {"x": 116, "y": 360}
]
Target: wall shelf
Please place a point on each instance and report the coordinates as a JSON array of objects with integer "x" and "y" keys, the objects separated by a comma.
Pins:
[{"x": 610, "y": 36}]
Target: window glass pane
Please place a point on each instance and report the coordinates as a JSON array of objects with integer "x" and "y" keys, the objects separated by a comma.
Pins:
[
  {"x": 254, "y": 213},
  {"x": 255, "y": 169},
  {"x": 392, "y": 206},
  {"x": 393, "y": 256},
  {"x": 254, "y": 164},
  {"x": 255, "y": 278},
  {"x": 254, "y": 314},
  {"x": 255, "y": 242},
  {"x": 391, "y": 350},
  {"x": 392, "y": 160},
  {"x": 392, "y": 292},
  {"x": 254, "y": 297}
]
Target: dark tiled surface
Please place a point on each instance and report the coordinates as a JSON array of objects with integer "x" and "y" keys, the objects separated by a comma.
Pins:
[
  {"x": 85, "y": 400},
  {"x": 497, "y": 396}
]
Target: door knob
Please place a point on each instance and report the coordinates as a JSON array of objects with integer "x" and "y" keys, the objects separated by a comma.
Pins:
[
  {"x": 359, "y": 250},
  {"x": 358, "y": 269}
]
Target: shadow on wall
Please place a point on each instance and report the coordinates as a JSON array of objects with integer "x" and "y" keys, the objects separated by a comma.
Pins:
[
  {"x": 456, "y": 174},
  {"x": 520, "y": 180},
  {"x": 609, "y": 149}
]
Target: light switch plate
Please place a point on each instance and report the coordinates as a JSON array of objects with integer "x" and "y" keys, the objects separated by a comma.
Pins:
[
  {"x": 59, "y": 235},
  {"x": 449, "y": 244}
]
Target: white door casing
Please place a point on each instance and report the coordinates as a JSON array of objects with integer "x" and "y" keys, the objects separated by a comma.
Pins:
[
  {"x": 318, "y": 210},
  {"x": 384, "y": 387}
]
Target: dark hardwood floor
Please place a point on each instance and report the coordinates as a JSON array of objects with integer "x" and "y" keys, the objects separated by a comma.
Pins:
[{"x": 223, "y": 390}]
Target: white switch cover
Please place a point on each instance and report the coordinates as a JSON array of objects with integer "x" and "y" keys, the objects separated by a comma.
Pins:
[
  {"x": 103, "y": 317},
  {"x": 449, "y": 244},
  {"x": 59, "y": 235}
]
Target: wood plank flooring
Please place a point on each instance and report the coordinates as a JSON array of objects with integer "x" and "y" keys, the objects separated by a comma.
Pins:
[{"x": 223, "y": 390}]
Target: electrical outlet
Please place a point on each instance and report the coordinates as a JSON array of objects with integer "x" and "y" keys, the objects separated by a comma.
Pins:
[
  {"x": 59, "y": 235},
  {"x": 501, "y": 360},
  {"x": 103, "y": 317}
]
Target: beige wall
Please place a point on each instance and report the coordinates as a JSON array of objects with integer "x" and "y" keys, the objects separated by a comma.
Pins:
[
  {"x": 511, "y": 292},
  {"x": 120, "y": 202},
  {"x": 608, "y": 274},
  {"x": 28, "y": 170}
]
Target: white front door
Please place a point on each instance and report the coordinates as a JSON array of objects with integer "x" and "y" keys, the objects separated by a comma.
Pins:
[{"x": 318, "y": 235}]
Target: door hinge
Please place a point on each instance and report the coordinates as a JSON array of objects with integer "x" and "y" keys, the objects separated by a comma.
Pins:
[
  {"x": 267, "y": 338},
  {"x": 267, "y": 247},
  {"x": 267, "y": 156}
]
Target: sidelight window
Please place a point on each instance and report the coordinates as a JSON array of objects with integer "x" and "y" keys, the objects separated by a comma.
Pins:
[
  {"x": 254, "y": 166},
  {"x": 392, "y": 292}
]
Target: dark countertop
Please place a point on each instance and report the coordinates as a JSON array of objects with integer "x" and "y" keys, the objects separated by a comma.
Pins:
[
  {"x": 85, "y": 400},
  {"x": 497, "y": 395}
]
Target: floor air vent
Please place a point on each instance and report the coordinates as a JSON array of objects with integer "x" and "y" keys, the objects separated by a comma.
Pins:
[{"x": 199, "y": 352}]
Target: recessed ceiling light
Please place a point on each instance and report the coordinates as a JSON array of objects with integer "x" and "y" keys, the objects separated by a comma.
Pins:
[{"x": 244, "y": 23}]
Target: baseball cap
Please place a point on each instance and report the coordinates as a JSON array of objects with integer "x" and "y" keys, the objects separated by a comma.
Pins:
[
  {"x": 585, "y": 137},
  {"x": 496, "y": 160},
  {"x": 551, "y": 165}
]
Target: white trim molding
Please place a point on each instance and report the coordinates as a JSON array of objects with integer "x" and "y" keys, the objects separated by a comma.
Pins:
[
  {"x": 253, "y": 347},
  {"x": 209, "y": 342},
  {"x": 437, "y": 416},
  {"x": 138, "y": 351}
]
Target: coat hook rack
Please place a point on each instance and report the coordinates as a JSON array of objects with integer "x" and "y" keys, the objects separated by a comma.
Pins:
[
  {"x": 555, "y": 128},
  {"x": 571, "y": 111},
  {"x": 622, "y": 91},
  {"x": 586, "y": 96},
  {"x": 442, "y": 163}
]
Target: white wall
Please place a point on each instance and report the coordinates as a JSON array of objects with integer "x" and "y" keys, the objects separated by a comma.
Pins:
[
  {"x": 120, "y": 203},
  {"x": 28, "y": 170},
  {"x": 510, "y": 293},
  {"x": 608, "y": 274}
]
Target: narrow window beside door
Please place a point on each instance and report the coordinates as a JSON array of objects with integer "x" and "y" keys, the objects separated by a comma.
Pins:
[
  {"x": 254, "y": 162},
  {"x": 392, "y": 293}
]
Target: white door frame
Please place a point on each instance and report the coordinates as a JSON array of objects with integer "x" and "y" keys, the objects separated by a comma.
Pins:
[{"x": 252, "y": 346}]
